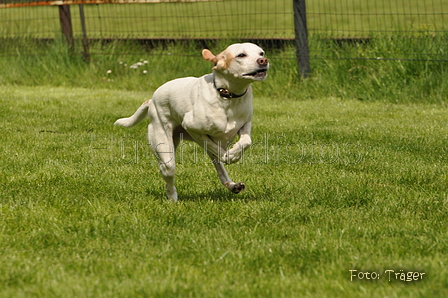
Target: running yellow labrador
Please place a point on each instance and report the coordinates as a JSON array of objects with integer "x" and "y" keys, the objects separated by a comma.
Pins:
[{"x": 210, "y": 110}]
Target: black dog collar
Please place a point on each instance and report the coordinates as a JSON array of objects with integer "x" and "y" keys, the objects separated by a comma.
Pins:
[{"x": 226, "y": 94}]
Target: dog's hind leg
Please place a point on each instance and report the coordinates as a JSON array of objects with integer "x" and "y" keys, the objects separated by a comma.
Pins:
[
  {"x": 161, "y": 142},
  {"x": 225, "y": 179}
]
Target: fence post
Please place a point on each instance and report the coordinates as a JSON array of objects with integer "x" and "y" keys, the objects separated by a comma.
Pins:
[
  {"x": 301, "y": 38},
  {"x": 66, "y": 25},
  {"x": 85, "y": 40}
]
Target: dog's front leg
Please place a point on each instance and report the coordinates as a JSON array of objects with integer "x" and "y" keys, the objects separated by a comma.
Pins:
[
  {"x": 225, "y": 179},
  {"x": 215, "y": 151},
  {"x": 235, "y": 153}
]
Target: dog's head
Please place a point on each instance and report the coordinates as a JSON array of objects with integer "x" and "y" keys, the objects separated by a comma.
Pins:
[{"x": 240, "y": 60}]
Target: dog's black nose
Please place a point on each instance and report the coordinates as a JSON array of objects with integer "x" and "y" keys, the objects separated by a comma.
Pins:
[{"x": 262, "y": 61}]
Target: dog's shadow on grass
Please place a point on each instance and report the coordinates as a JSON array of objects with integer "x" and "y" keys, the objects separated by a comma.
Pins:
[{"x": 217, "y": 195}]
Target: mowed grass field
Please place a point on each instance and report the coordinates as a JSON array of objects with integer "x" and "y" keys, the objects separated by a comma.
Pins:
[
  {"x": 346, "y": 184},
  {"x": 83, "y": 213}
]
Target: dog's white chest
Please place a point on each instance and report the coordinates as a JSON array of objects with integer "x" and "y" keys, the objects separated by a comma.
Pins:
[
  {"x": 214, "y": 124},
  {"x": 231, "y": 127}
]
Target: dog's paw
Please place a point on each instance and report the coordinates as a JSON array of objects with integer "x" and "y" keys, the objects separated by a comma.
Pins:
[
  {"x": 238, "y": 187},
  {"x": 235, "y": 187},
  {"x": 232, "y": 156}
]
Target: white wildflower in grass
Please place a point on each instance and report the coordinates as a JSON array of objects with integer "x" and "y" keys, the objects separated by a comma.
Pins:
[
  {"x": 145, "y": 62},
  {"x": 109, "y": 71},
  {"x": 145, "y": 72},
  {"x": 136, "y": 65}
]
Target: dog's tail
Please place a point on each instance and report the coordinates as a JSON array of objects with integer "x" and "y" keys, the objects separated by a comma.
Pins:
[{"x": 139, "y": 115}]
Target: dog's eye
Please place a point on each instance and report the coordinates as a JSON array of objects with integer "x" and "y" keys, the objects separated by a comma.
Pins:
[
  {"x": 242, "y": 55},
  {"x": 262, "y": 54}
]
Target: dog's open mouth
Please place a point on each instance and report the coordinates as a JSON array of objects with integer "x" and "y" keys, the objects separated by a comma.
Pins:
[{"x": 261, "y": 73}]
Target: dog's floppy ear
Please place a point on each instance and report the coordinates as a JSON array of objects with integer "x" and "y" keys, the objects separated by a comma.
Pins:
[
  {"x": 219, "y": 60},
  {"x": 222, "y": 63},
  {"x": 207, "y": 55}
]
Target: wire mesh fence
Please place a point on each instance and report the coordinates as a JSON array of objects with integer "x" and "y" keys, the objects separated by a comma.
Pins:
[
  {"x": 156, "y": 19},
  {"x": 357, "y": 18},
  {"x": 392, "y": 29}
]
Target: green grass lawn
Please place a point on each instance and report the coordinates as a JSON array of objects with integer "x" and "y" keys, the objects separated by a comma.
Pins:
[{"x": 333, "y": 185}]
